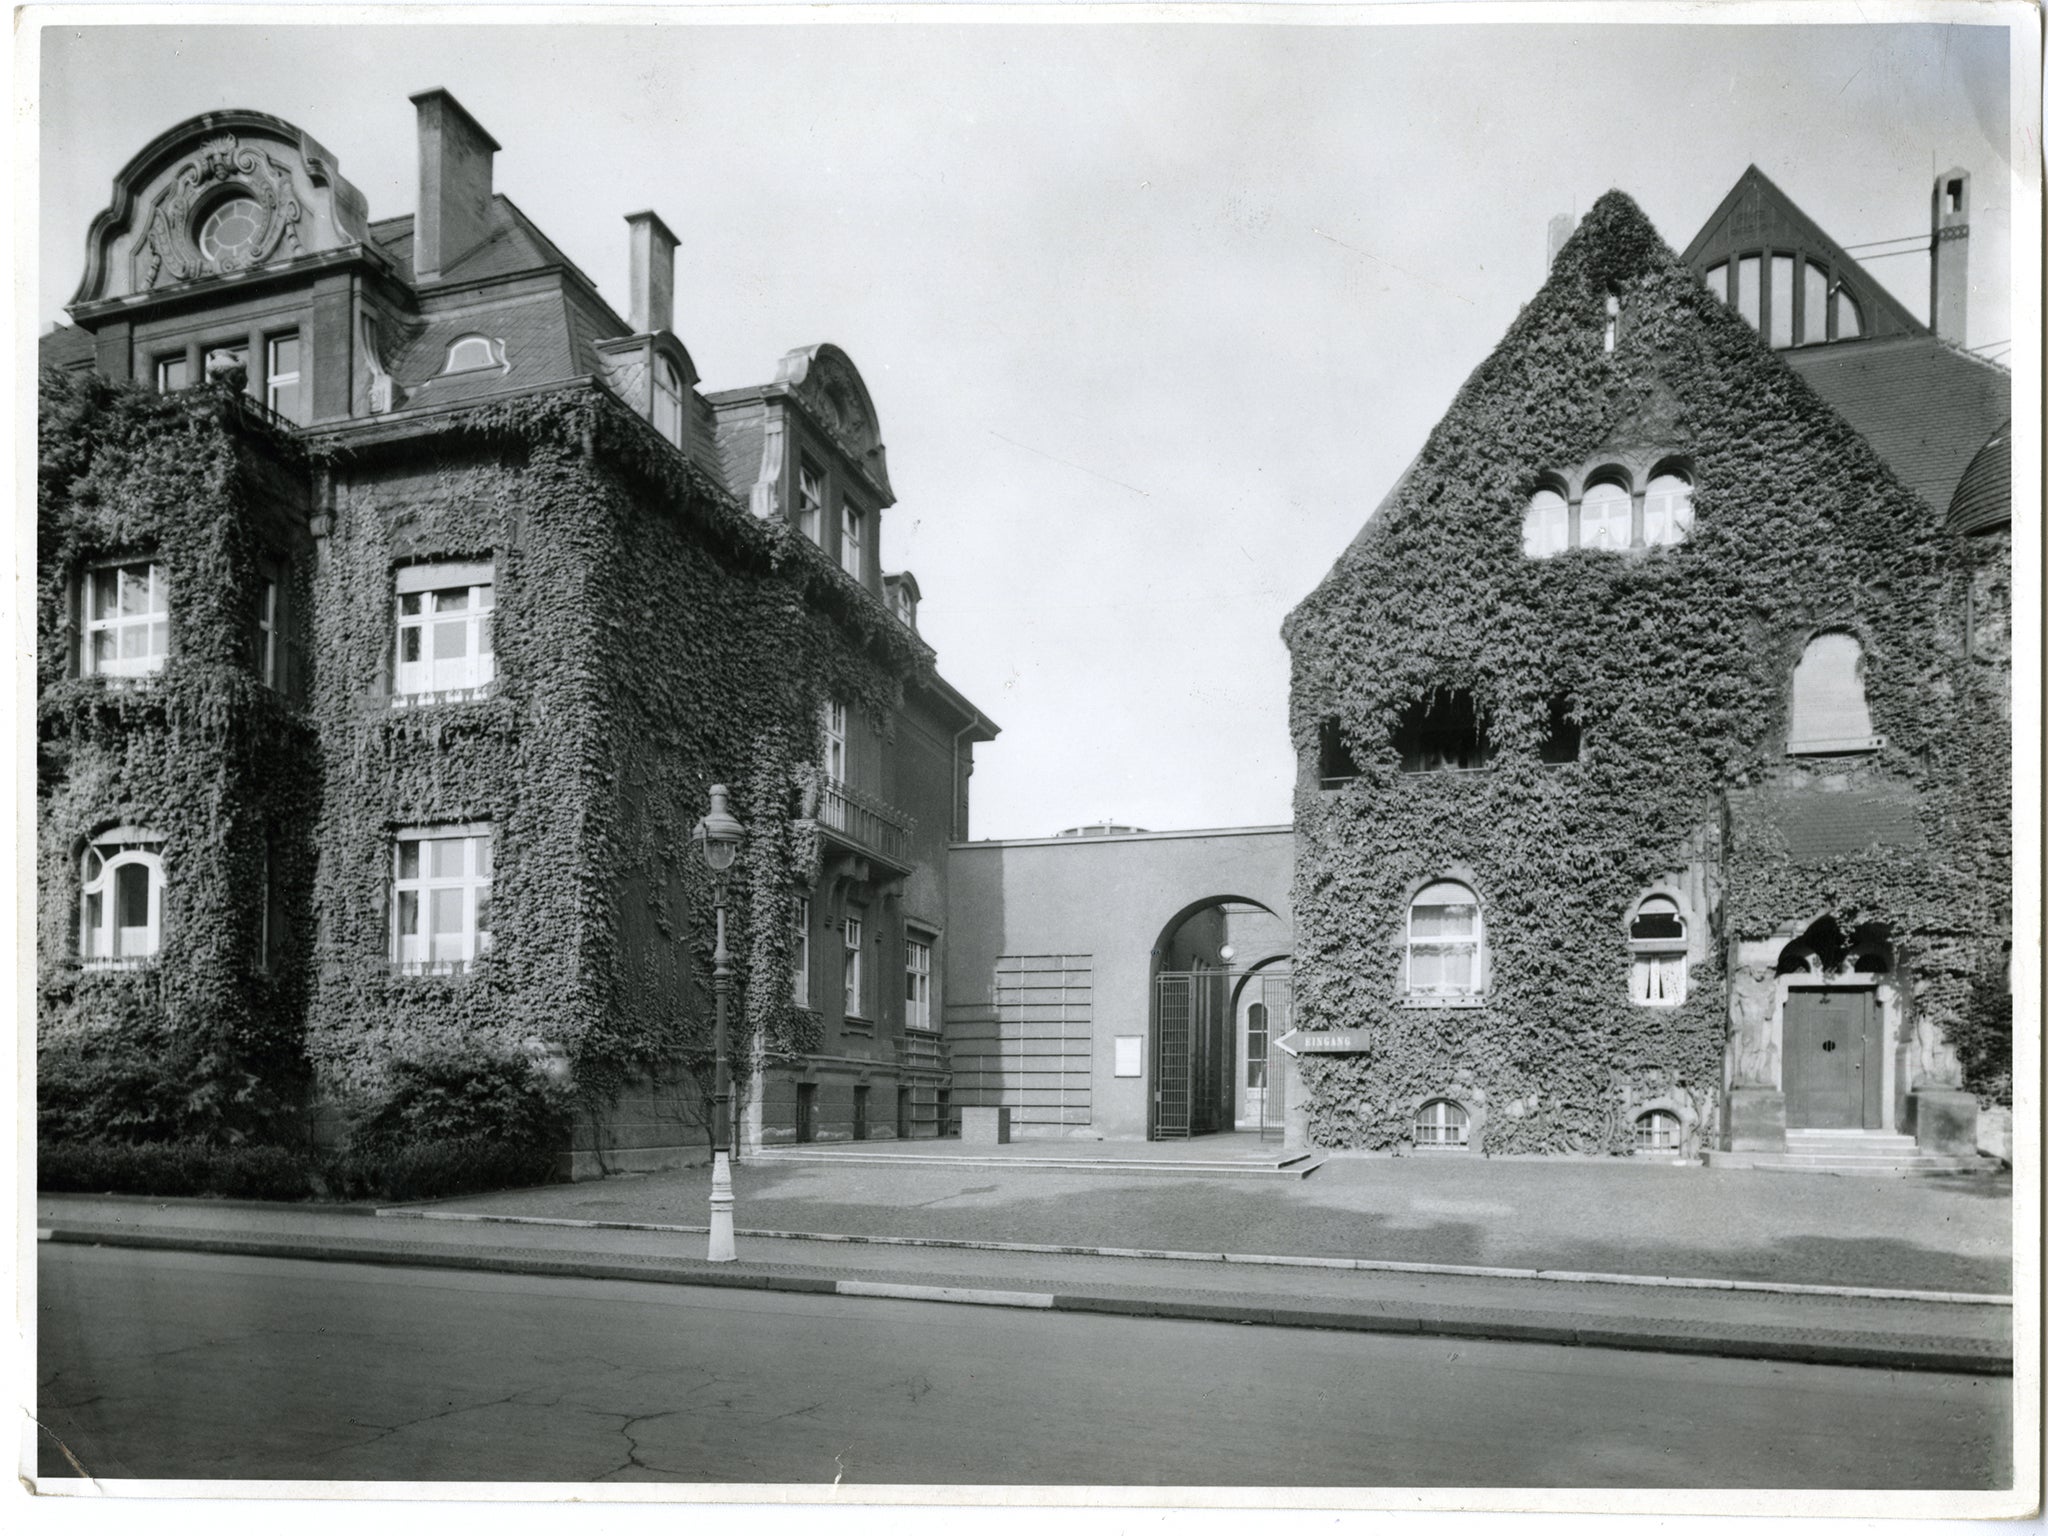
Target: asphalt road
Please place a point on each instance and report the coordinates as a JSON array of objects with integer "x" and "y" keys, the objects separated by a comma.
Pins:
[{"x": 175, "y": 1365}]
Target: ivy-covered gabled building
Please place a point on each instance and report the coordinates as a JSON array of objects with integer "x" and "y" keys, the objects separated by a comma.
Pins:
[
  {"x": 399, "y": 602},
  {"x": 1654, "y": 783}
]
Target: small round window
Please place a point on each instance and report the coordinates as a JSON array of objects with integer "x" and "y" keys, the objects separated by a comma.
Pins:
[{"x": 227, "y": 238}]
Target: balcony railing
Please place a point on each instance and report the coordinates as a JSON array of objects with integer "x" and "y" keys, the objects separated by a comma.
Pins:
[{"x": 864, "y": 822}]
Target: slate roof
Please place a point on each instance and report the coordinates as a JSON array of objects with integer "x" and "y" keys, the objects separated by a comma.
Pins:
[
  {"x": 1983, "y": 499},
  {"x": 1819, "y": 825},
  {"x": 1927, "y": 407},
  {"x": 68, "y": 346}
]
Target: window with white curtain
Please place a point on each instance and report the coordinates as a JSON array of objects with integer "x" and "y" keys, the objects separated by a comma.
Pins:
[
  {"x": 1443, "y": 941},
  {"x": 1667, "y": 510},
  {"x": 1657, "y": 953},
  {"x": 441, "y": 898},
  {"x": 1546, "y": 526},
  {"x": 1604, "y": 517},
  {"x": 444, "y": 619}
]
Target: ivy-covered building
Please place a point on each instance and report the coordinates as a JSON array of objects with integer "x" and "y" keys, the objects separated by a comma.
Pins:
[
  {"x": 1654, "y": 750},
  {"x": 399, "y": 602}
]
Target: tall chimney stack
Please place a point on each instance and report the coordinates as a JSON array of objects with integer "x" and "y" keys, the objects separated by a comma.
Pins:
[
  {"x": 1948, "y": 264},
  {"x": 454, "y": 215},
  {"x": 1561, "y": 226},
  {"x": 651, "y": 272}
]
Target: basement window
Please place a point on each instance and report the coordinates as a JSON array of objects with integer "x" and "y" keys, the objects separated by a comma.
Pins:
[
  {"x": 1442, "y": 734},
  {"x": 1442, "y": 1123},
  {"x": 1561, "y": 734},
  {"x": 1659, "y": 1131},
  {"x": 1335, "y": 766}
]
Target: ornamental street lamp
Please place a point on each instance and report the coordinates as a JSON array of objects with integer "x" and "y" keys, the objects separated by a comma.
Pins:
[{"x": 717, "y": 837}]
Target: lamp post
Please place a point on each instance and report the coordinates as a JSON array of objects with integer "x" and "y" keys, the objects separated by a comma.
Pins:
[{"x": 717, "y": 837}]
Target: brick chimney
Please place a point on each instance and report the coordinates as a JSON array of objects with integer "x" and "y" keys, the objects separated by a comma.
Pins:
[
  {"x": 651, "y": 273},
  {"x": 1948, "y": 263},
  {"x": 454, "y": 215},
  {"x": 1561, "y": 227}
]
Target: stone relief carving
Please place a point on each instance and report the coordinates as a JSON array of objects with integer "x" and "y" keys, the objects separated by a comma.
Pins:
[
  {"x": 1752, "y": 996},
  {"x": 169, "y": 251},
  {"x": 1935, "y": 1065}
]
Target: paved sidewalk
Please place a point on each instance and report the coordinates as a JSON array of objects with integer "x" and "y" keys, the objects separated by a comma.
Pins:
[
  {"x": 1971, "y": 1334},
  {"x": 1616, "y": 1215}
]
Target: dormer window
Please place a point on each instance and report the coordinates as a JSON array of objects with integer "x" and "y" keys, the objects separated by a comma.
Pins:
[
  {"x": 471, "y": 354},
  {"x": 668, "y": 401}
]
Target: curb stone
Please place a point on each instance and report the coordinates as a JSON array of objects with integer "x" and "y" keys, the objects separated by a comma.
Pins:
[{"x": 1943, "y": 1355}]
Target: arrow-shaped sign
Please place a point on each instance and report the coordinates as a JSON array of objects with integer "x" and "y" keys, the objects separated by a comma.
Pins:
[{"x": 1320, "y": 1041}]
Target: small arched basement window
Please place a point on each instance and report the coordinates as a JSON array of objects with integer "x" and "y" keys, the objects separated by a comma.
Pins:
[
  {"x": 1546, "y": 526},
  {"x": 1604, "y": 517},
  {"x": 1656, "y": 942},
  {"x": 1667, "y": 510},
  {"x": 1444, "y": 933},
  {"x": 1442, "y": 1123},
  {"x": 1829, "y": 712},
  {"x": 1659, "y": 1131}
]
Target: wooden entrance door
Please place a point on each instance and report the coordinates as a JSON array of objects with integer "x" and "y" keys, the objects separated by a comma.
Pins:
[{"x": 1834, "y": 1071}]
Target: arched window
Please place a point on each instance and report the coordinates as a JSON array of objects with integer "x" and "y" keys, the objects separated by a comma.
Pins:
[
  {"x": 1848, "y": 316},
  {"x": 1816, "y": 326},
  {"x": 1659, "y": 1131},
  {"x": 1442, "y": 1123},
  {"x": 469, "y": 353},
  {"x": 668, "y": 401},
  {"x": 121, "y": 897},
  {"x": 1443, "y": 941},
  {"x": 1667, "y": 510},
  {"x": 1546, "y": 526},
  {"x": 1256, "y": 1021},
  {"x": 1829, "y": 713},
  {"x": 1604, "y": 517},
  {"x": 1656, "y": 942}
]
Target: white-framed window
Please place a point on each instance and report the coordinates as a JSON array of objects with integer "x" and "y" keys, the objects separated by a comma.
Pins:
[
  {"x": 917, "y": 984},
  {"x": 1442, "y": 1123},
  {"x": 1604, "y": 517},
  {"x": 1443, "y": 941},
  {"x": 834, "y": 728},
  {"x": 800, "y": 953},
  {"x": 265, "y": 653},
  {"x": 1657, "y": 958},
  {"x": 444, "y": 615},
  {"x": 1257, "y": 1022},
  {"x": 852, "y": 531},
  {"x": 810, "y": 503},
  {"x": 120, "y": 898},
  {"x": 173, "y": 373},
  {"x": 1667, "y": 510},
  {"x": 468, "y": 354},
  {"x": 852, "y": 941},
  {"x": 1546, "y": 526},
  {"x": 1829, "y": 711},
  {"x": 668, "y": 401},
  {"x": 440, "y": 898},
  {"x": 127, "y": 620},
  {"x": 281, "y": 388},
  {"x": 1659, "y": 1130}
]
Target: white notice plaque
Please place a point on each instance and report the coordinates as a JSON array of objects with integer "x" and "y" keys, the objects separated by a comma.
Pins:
[{"x": 1130, "y": 1055}]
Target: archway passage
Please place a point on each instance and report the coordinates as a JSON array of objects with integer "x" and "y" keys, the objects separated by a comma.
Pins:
[{"x": 1220, "y": 995}]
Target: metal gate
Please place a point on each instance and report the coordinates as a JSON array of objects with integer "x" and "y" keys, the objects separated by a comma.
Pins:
[{"x": 1199, "y": 1084}]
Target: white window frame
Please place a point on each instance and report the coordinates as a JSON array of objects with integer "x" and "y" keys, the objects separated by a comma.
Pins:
[
  {"x": 1624, "y": 517},
  {"x": 1658, "y": 966},
  {"x": 152, "y": 622},
  {"x": 1474, "y": 942},
  {"x": 273, "y": 377},
  {"x": 266, "y": 631},
  {"x": 810, "y": 502},
  {"x": 832, "y": 725},
  {"x": 1443, "y": 1125},
  {"x": 102, "y": 945},
  {"x": 853, "y": 936},
  {"x": 425, "y": 678},
  {"x": 668, "y": 400},
  {"x": 165, "y": 366},
  {"x": 411, "y": 952},
  {"x": 917, "y": 983},
  {"x": 474, "y": 353},
  {"x": 1546, "y": 525},
  {"x": 1667, "y": 510},
  {"x": 1665, "y": 1131},
  {"x": 852, "y": 531},
  {"x": 800, "y": 953}
]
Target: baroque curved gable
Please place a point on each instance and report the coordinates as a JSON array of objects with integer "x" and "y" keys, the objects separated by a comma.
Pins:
[
  {"x": 288, "y": 197},
  {"x": 824, "y": 378}
]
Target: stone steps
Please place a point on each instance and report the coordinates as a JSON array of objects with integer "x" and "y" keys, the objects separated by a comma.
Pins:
[{"x": 1878, "y": 1154}]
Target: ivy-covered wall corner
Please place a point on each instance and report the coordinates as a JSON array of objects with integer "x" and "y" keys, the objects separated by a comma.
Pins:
[{"x": 1673, "y": 666}]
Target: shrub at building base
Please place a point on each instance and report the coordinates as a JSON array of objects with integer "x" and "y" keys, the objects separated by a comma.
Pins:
[
  {"x": 174, "y": 1168},
  {"x": 453, "y": 1124}
]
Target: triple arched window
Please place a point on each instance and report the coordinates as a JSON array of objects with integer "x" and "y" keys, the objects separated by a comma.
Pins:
[{"x": 1609, "y": 514}]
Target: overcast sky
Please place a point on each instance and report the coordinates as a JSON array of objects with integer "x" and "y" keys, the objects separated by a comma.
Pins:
[{"x": 1152, "y": 315}]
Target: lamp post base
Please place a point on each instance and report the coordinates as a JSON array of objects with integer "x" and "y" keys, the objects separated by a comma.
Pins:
[{"x": 722, "y": 1250}]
